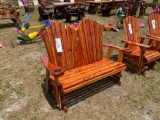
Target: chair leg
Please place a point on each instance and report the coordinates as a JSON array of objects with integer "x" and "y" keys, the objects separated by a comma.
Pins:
[
  {"x": 116, "y": 78},
  {"x": 48, "y": 82},
  {"x": 151, "y": 65},
  {"x": 141, "y": 70}
]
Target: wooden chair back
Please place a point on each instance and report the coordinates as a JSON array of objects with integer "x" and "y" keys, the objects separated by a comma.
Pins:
[
  {"x": 131, "y": 28},
  {"x": 76, "y": 51},
  {"x": 154, "y": 26},
  {"x": 90, "y": 40}
]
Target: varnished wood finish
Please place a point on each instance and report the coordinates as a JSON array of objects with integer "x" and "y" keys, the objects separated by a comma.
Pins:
[
  {"x": 154, "y": 32},
  {"x": 142, "y": 55},
  {"x": 81, "y": 62}
]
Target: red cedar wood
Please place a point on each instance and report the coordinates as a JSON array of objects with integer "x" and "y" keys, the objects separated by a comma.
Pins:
[
  {"x": 154, "y": 32},
  {"x": 81, "y": 58},
  {"x": 140, "y": 56}
]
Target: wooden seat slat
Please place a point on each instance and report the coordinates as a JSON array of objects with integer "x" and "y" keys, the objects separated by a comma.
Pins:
[
  {"x": 87, "y": 72},
  {"x": 79, "y": 69},
  {"x": 82, "y": 74},
  {"x": 89, "y": 75},
  {"x": 93, "y": 80}
]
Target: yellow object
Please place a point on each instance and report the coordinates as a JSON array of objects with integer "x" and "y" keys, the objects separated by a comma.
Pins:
[
  {"x": 32, "y": 35},
  {"x": 38, "y": 26},
  {"x": 23, "y": 29}
]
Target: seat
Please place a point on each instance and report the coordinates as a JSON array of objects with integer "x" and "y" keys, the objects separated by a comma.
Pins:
[
  {"x": 142, "y": 56},
  {"x": 75, "y": 58},
  {"x": 154, "y": 28}
]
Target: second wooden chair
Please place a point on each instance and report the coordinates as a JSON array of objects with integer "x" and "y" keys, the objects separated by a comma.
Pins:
[
  {"x": 142, "y": 57},
  {"x": 154, "y": 28}
]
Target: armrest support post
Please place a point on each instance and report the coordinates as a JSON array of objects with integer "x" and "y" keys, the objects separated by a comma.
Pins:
[{"x": 120, "y": 53}]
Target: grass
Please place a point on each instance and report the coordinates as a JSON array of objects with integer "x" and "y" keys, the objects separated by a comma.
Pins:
[{"x": 22, "y": 73}]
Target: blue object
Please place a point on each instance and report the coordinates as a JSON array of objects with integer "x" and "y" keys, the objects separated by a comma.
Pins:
[
  {"x": 26, "y": 16},
  {"x": 47, "y": 23}
]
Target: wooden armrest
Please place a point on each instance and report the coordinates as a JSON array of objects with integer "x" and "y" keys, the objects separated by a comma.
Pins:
[
  {"x": 150, "y": 37},
  {"x": 124, "y": 50},
  {"x": 136, "y": 44},
  {"x": 153, "y": 36},
  {"x": 55, "y": 70}
]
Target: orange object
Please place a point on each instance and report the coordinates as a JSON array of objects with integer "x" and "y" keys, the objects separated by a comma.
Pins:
[
  {"x": 107, "y": 27},
  {"x": 80, "y": 61},
  {"x": 143, "y": 56}
]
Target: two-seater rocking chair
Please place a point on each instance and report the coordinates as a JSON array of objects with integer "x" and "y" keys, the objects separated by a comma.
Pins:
[
  {"x": 75, "y": 58},
  {"x": 143, "y": 56}
]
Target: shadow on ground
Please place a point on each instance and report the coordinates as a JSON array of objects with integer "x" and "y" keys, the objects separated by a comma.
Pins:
[
  {"x": 80, "y": 94},
  {"x": 7, "y": 25}
]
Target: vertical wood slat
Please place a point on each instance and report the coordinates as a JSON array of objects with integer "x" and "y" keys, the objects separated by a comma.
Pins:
[
  {"x": 49, "y": 51},
  {"x": 75, "y": 48},
  {"x": 101, "y": 42},
  {"x": 80, "y": 55},
  {"x": 65, "y": 46},
  {"x": 52, "y": 42},
  {"x": 158, "y": 24},
  {"x": 57, "y": 34},
  {"x": 136, "y": 30},
  {"x": 93, "y": 40},
  {"x": 89, "y": 39},
  {"x": 70, "y": 56},
  {"x": 83, "y": 44},
  {"x": 62, "y": 54},
  {"x": 96, "y": 29},
  {"x": 51, "y": 45}
]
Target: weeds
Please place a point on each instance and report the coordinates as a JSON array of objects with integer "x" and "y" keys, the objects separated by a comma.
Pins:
[{"x": 158, "y": 66}]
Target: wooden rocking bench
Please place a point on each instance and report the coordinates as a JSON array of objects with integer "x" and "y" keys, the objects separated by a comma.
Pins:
[{"x": 75, "y": 58}]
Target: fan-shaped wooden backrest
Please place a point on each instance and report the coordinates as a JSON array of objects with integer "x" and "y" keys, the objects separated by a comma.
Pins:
[
  {"x": 90, "y": 37},
  {"x": 131, "y": 31},
  {"x": 154, "y": 24},
  {"x": 78, "y": 49}
]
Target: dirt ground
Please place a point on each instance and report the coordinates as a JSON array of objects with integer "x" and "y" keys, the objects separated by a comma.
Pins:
[{"x": 22, "y": 84}]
